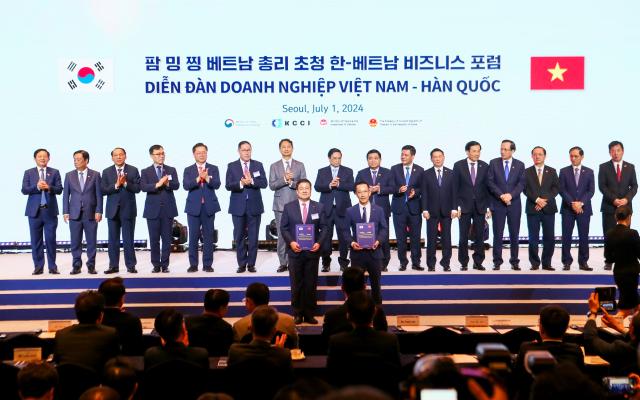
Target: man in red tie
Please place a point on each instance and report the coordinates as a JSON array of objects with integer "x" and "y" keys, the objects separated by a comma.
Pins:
[{"x": 618, "y": 184}]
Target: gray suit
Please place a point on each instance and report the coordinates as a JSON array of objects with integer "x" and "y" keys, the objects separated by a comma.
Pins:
[{"x": 284, "y": 193}]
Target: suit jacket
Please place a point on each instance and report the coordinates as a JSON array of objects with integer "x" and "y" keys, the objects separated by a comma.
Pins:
[
  {"x": 157, "y": 198},
  {"x": 547, "y": 190},
  {"x": 285, "y": 324},
  {"x": 387, "y": 187},
  {"x": 248, "y": 199},
  {"x": 197, "y": 192},
  {"x": 335, "y": 321},
  {"x": 291, "y": 216},
  {"x": 438, "y": 200},
  {"x": 622, "y": 248},
  {"x": 612, "y": 189},
  {"x": 285, "y": 193},
  {"x": 340, "y": 194},
  {"x": 398, "y": 204},
  {"x": 128, "y": 327},
  {"x": 347, "y": 346},
  {"x": 30, "y": 188},
  {"x": 122, "y": 199},
  {"x": 279, "y": 359},
  {"x": 583, "y": 192},
  {"x": 91, "y": 345},
  {"x": 499, "y": 186},
  {"x": 620, "y": 354},
  {"x": 471, "y": 197},
  {"x": 75, "y": 200},
  {"x": 354, "y": 217},
  {"x": 210, "y": 332},
  {"x": 175, "y": 351}
]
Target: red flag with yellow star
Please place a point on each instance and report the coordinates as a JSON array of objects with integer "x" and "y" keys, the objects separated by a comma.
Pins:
[{"x": 557, "y": 73}]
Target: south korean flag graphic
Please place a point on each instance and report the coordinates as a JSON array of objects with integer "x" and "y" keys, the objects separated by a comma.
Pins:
[{"x": 86, "y": 75}]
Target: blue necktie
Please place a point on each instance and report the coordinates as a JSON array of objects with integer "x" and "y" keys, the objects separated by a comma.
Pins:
[
  {"x": 82, "y": 181},
  {"x": 506, "y": 171},
  {"x": 407, "y": 178},
  {"x": 439, "y": 178},
  {"x": 364, "y": 214},
  {"x": 159, "y": 171},
  {"x": 43, "y": 193}
]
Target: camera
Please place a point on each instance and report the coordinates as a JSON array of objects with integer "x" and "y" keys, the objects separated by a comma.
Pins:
[{"x": 618, "y": 384}]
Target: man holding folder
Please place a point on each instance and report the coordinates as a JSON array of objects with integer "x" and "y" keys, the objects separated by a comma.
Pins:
[
  {"x": 304, "y": 227},
  {"x": 367, "y": 230}
]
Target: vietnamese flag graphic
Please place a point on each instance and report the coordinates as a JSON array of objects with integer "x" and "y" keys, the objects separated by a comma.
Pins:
[{"x": 557, "y": 73}]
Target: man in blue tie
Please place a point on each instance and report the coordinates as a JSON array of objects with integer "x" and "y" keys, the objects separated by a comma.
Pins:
[
  {"x": 407, "y": 208},
  {"x": 245, "y": 178},
  {"x": 506, "y": 183},
  {"x": 201, "y": 180},
  {"x": 159, "y": 181},
  {"x": 120, "y": 183},
  {"x": 82, "y": 209},
  {"x": 41, "y": 184},
  {"x": 381, "y": 184}
]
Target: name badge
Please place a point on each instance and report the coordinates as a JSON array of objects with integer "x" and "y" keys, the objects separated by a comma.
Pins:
[
  {"x": 315, "y": 216},
  {"x": 256, "y": 174}
]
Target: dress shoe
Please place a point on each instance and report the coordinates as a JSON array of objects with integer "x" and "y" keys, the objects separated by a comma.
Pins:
[
  {"x": 54, "y": 272},
  {"x": 93, "y": 271},
  {"x": 207, "y": 269},
  {"x": 535, "y": 267},
  {"x": 566, "y": 267},
  {"x": 608, "y": 267},
  {"x": 515, "y": 267},
  {"x": 155, "y": 270},
  {"x": 463, "y": 267},
  {"x": 344, "y": 263},
  {"x": 402, "y": 268},
  {"x": 342, "y": 268},
  {"x": 241, "y": 269},
  {"x": 495, "y": 267},
  {"x": 325, "y": 268},
  {"x": 111, "y": 270},
  {"x": 548, "y": 268},
  {"x": 132, "y": 270},
  {"x": 311, "y": 320},
  {"x": 298, "y": 319},
  {"x": 282, "y": 268},
  {"x": 165, "y": 270},
  {"x": 37, "y": 272},
  {"x": 431, "y": 269},
  {"x": 417, "y": 268},
  {"x": 384, "y": 269},
  {"x": 479, "y": 267},
  {"x": 192, "y": 268},
  {"x": 446, "y": 268},
  {"x": 75, "y": 271},
  {"x": 251, "y": 268},
  {"x": 585, "y": 267}
]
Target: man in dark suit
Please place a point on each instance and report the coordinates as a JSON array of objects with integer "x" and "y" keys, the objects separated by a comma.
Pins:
[
  {"x": 82, "y": 209},
  {"x": 577, "y": 186},
  {"x": 618, "y": 184},
  {"x": 472, "y": 201},
  {"x": 201, "y": 180},
  {"x": 127, "y": 325},
  {"x": 209, "y": 329},
  {"x": 334, "y": 183},
  {"x": 506, "y": 183},
  {"x": 406, "y": 207},
  {"x": 42, "y": 184},
  {"x": 335, "y": 319},
  {"x": 87, "y": 343},
  {"x": 541, "y": 188},
  {"x": 120, "y": 183},
  {"x": 381, "y": 184},
  {"x": 303, "y": 263},
  {"x": 245, "y": 179},
  {"x": 159, "y": 181},
  {"x": 368, "y": 259},
  {"x": 622, "y": 248},
  {"x": 175, "y": 342},
  {"x": 438, "y": 196}
]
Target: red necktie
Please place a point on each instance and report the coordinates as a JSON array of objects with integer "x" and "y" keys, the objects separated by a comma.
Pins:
[
  {"x": 200, "y": 169},
  {"x": 304, "y": 213},
  {"x": 618, "y": 172}
]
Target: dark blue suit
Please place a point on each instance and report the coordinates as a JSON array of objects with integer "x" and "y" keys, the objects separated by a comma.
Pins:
[
  {"x": 499, "y": 185},
  {"x": 387, "y": 187},
  {"x": 201, "y": 208},
  {"x": 407, "y": 213},
  {"x": 335, "y": 201},
  {"x": 569, "y": 192},
  {"x": 367, "y": 259},
  {"x": 43, "y": 215},
  {"x": 438, "y": 200},
  {"x": 159, "y": 209},
  {"x": 473, "y": 201},
  {"x": 121, "y": 213},
  {"x": 303, "y": 266},
  {"x": 246, "y": 208},
  {"x": 82, "y": 206}
]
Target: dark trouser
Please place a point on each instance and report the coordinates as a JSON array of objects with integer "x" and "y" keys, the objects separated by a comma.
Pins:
[
  {"x": 86, "y": 223},
  {"x": 478, "y": 244},
  {"x": 127, "y": 226},
  {"x": 43, "y": 222},
  {"x": 432, "y": 233},
  {"x": 608, "y": 222},
  {"x": 511, "y": 214},
  {"x": 201, "y": 225},
  {"x": 547, "y": 221},
  {"x": 160, "y": 229},
  {"x": 245, "y": 232},
  {"x": 627, "y": 283},
  {"x": 386, "y": 248},
  {"x": 366, "y": 260},
  {"x": 303, "y": 273},
  {"x": 400, "y": 224},
  {"x": 340, "y": 224},
  {"x": 281, "y": 246},
  {"x": 569, "y": 220}
]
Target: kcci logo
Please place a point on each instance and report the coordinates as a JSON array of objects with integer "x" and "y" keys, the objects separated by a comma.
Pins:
[{"x": 281, "y": 123}]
